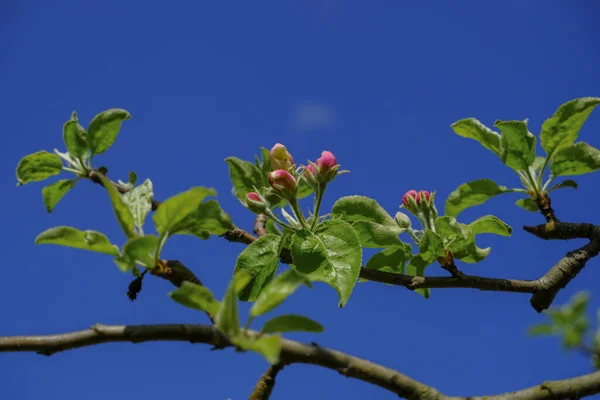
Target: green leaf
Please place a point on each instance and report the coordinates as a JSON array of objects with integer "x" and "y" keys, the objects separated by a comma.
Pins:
[
  {"x": 460, "y": 240},
  {"x": 142, "y": 249},
  {"x": 104, "y": 127},
  {"x": 517, "y": 144},
  {"x": 393, "y": 257},
  {"x": 75, "y": 137},
  {"x": 576, "y": 159},
  {"x": 431, "y": 246},
  {"x": 37, "y": 167},
  {"x": 538, "y": 163},
  {"x": 207, "y": 219},
  {"x": 139, "y": 201},
  {"x": 528, "y": 204},
  {"x": 416, "y": 267},
  {"x": 291, "y": 323},
  {"x": 474, "y": 254},
  {"x": 176, "y": 208},
  {"x": 244, "y": 176},
  {"x": 121, "y": 209},
  {"x": 272, "y": 227},
  {"x": 541, "y": 329},
  {"x": 276, "y": 291},
  {"x": 374, "y": 235},
  {"x": 269, "y": 346},
  {"x": 265, "y": 165},
  {"x": 54, "y": 192},
  {"x": 227, "y": 319},
  {"x": 473, "y": 129},
  {"x": 490, "y": 224},
  {"x": 332, "y": 254},
  {"x": 564, "y": 184},
  {"x": 197, "y": 297},
  {"x": 472, "y": 194},
  {"x": 72, "y": 237},
  {"x": 260, "y": 260},
  {"x": 361, "y": 208},
  {"x": 563, "y": 127}
]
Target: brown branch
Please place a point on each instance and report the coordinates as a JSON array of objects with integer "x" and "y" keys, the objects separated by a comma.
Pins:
[
  {"x": 570, "y": 265},
  {"x": 266, "y": 383},
  {"x": 291, "y": 352}
]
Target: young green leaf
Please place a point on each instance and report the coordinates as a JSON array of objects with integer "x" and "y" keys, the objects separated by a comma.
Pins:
[
  {"x": 490, "y": 224},
  {"x": 473, "y": 129},
  {"x": 538, "y": 163},
  {"x": 431, "y": 246},
  {"x": 269, "y": 346},
  {"x": 563, "y": 127},
  {"x": 528, "y": 204},
  {"x": 72, "y": 237},
  {"x": 569, "y": 183},
  {"x": 276, "y": 291},
  {"x": 139, "y": 201},
  {"x": 227, "y": 319},
  {"x": 244, "y": 176},
  {"x": 104, "y": 127},
  {"x": 542, "y": 329},
  {"x": 75, "y": 137},
  {"x": 392, "y": 257},
  {"x": 460, "y": 240},
  {"x": 197, "y": 297},
  {"x": 142, "y": 250},
  {"x": 260, "y": 260},
  {"x": 361, "y": 208},
  {"x": 576, "y": 159},
  {"x": 291, "y": 323},
  {"x": 517, "y": 144},
  {"x": 121, "y": 209},
  {"x": 176, "y": 208},
  {"x": 53, "y": 193},
  {"x": 416, "y": 267},
  {"x": 207, "y": 219},
  {"x": 374, "y": 235},
  {"x": 332, "y": 254},
  {"x": 37, "y": 167},
  {"x": 472, "y": 194}
]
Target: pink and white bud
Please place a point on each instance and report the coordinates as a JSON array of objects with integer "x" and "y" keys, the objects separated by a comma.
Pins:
[
  {"x": 255, "y": 203},
  {"x": 282, "y": 181},
  {"x": 253, "y": 196},
  {"x": 310, "y": 169},
  {"x": 280, "y": 158},
  {"x": 423, "y": 194},
  {"x": 326, "y": 162},
  {"x": 411, "y": 194}
]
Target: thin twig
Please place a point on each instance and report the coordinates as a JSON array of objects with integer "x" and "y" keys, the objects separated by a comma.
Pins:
[{"x": 266, "y": 383}]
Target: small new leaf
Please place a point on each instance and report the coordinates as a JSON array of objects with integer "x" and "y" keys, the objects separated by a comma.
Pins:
[
  {"x": 472, "y": 194},
  {"x": 72, "y": 237},
  {"x": 473, "y": 129},
  {"x": 490, "y": 224},
  {"x": 75, "y": 137},
  {"x": 416, "y": 267},
  {"x": 260, "y": 260},
  {"x": 122, "y": 211},
  {"x": 291, "y": 323},
  {"x": 227, "y": 319},
  {"x": 576, "y": 159},
  {"x": 175, "y": 209},
  {"x": 139, "y": 201},
  {"x": 276, "y": 291},
  {"x": 104, "y": 127},
  {"x": 142, "y": 250},
  {"x": 517, "y": 144},
  {"x": 197, "y": 297},
  {"x": 53, "y": 193},
  {"x": 37, "y": 167},
  {"x": 528, "y": 204},
  {"x": 244, "y": 176}
]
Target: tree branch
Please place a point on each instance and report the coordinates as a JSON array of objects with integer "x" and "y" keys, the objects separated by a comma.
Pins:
[
  {"x": 291, "y": 352},
  {"x": 266, "y": 383}
]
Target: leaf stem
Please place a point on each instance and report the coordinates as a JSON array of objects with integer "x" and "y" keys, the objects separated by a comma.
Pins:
[
  {"x": 317, "y": 208},
  {"x": 298, "y": 212}
]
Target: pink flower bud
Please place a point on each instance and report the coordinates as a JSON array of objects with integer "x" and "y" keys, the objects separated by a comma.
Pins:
[
  {"x": 426, "y": 195},
  {"x": 410, "y": 194},
  {"x": 280, "y": 157},
  {"x": 326, "y": 162},
  {"x": 282, "y": 181},
  {"x": 310, "y": 169},
  {"x": 253, "y": 196}
]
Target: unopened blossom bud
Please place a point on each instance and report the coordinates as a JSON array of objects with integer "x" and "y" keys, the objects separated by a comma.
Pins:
[
  {"x": 310, "y": 169},
  {"x": 326, "y": 162},
  {"x": 280, "y": 158},
  {"x": 423, "y": 194},
  {"x": 402, "y": 220},
  {"x": 411, "y": 194},
  {"x": 255, "y": 203},
  {"x": 282, "y": 181}
]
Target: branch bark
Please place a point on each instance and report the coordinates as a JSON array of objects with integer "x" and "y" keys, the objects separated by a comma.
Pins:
[
  {"x": 266, "y": 383},
  {"x": 291, "y": 352}
]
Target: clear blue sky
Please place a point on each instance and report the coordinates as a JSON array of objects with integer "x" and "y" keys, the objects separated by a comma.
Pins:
[{"x": 378, "y": 84}]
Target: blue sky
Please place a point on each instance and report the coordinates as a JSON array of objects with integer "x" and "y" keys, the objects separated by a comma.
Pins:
[{"x": 378, "y": 84}]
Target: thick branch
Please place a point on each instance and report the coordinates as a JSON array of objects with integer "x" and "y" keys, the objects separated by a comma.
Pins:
[
  {"x": 291, "y": 352},
  {"x": 266, "y": 383},
  {"x": 570, "y": 265}
]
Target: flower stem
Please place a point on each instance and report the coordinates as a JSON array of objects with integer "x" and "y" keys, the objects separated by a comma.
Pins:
[
  {"x": 298, "y": 212},
  {"x": 318, "y": 199}
]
